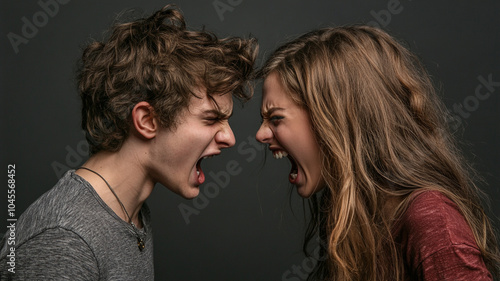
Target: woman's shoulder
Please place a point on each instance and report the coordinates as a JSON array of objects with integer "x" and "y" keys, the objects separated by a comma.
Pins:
[
  {"x": 431, "y": 224},
  {"x": 436, "y": 239},
  {"x": 432, "y": 216},
  {"x": 430, "y": 205}
]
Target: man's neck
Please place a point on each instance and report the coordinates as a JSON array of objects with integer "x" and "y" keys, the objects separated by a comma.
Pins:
[{"x": 126, "y": 177}]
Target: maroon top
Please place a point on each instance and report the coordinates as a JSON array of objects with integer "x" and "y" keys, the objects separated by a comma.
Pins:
[{"x": 437, "y": 243}]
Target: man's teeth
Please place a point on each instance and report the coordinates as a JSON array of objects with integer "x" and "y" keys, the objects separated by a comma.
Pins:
[
  {"x": 208, "y": 156},
  {"x": 293, "y": 175},
  {"x": 198, "y": 172},
  {"x": 280, "y": 154}
]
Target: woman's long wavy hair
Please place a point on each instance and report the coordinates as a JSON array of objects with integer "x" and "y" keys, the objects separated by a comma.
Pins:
[{"x": 383, "y": 134}]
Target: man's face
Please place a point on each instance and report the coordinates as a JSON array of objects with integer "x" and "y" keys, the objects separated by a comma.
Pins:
[{"x": 202, "y": 131}]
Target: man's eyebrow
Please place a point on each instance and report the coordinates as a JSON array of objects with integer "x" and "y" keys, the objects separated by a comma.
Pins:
[
  {"x": 270, "y": 111},
  {"x": 219, "y": 113}
]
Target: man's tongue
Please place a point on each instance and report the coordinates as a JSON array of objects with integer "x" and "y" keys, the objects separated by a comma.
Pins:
[{"x": 200, "y": 176}]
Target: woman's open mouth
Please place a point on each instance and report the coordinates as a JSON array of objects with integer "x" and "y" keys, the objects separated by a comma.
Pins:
[{"x": 293, "y": 176}]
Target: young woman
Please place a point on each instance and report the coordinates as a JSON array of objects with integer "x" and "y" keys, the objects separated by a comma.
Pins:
[{"x": 357, "y": 116}]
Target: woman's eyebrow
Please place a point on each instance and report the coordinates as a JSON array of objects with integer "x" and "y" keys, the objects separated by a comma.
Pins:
[{"x": 270, "y": 111}]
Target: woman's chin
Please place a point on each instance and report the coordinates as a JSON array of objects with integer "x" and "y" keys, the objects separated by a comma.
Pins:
[{"x": 307, "y": 190}]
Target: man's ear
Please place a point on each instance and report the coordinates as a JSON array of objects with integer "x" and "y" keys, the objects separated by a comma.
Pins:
[{"x": 144, "y": 120}]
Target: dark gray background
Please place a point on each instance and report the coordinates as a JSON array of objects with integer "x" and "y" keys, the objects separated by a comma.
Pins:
[{"x": 250, "y": 230}]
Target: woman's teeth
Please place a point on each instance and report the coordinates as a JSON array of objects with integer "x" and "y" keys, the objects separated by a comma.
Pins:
[{"x": 279, "y": 154}]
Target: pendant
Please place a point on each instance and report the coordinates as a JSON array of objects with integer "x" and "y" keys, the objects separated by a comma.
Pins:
[{"x": 140, "y": 244}]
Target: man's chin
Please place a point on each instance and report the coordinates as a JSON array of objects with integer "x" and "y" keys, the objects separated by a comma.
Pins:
[{"x": 190, "y": 192}]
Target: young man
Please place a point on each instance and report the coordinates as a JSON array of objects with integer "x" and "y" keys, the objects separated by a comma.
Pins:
[{"x": 156, "y": 101}]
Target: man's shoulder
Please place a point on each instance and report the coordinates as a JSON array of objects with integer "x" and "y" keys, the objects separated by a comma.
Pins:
[
  {"x": 60, "y": 207},
  {"x": 60, "y": 202},
  {"x": 51, "y": 253}
]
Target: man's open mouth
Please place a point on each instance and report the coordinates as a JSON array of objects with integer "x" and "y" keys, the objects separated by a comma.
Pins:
[{"x": 199, "y": 171}]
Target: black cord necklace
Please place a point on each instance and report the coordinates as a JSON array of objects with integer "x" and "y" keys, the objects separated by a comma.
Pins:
[{"x": 140, "y": 242}]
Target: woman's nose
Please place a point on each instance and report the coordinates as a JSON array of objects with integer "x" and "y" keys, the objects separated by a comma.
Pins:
[{"x": 264, "y": 134}]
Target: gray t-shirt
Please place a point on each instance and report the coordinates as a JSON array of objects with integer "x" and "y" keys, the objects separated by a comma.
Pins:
[{"x": 69, "y": 233}]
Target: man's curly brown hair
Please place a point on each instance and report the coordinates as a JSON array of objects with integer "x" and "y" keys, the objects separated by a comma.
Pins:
[{"x": 157, "y": 60}]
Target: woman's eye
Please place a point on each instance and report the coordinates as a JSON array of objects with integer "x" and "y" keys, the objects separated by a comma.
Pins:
[{"x": 275, "y": 119}]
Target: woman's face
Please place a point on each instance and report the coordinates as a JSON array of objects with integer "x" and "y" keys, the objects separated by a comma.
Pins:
[{"x": 286, "y": 127}]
